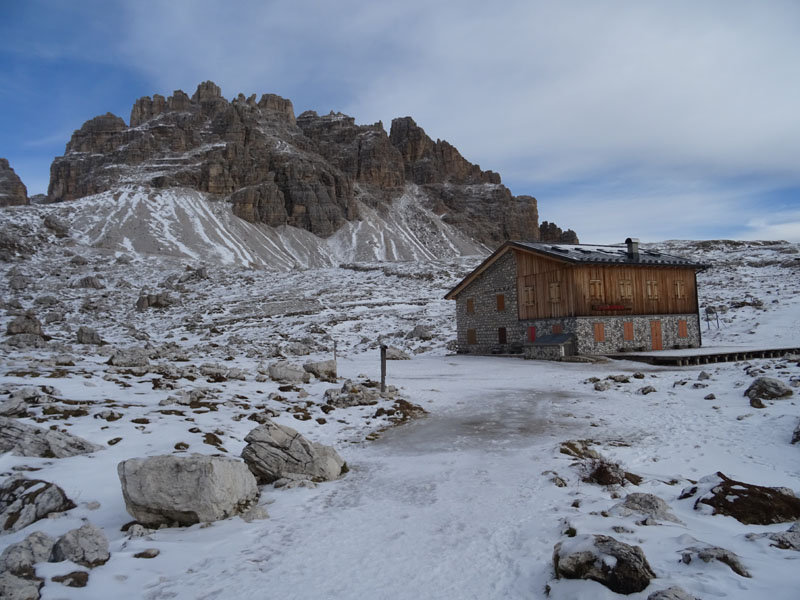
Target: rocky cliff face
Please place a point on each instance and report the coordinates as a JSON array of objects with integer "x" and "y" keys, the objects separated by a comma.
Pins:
[
  {"x": 311, "y": 172},
  {"x": 12, "y": 191}
]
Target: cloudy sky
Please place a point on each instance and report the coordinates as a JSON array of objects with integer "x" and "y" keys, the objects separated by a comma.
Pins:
[{"x": 658, "y": 120}]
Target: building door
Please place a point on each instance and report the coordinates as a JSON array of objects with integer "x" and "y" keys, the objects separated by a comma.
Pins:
[{"x": 655, "y": 335}]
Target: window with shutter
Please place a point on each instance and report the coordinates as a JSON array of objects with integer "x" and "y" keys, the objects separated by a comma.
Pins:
[
  {"x": 501, "y": 302},
  {"x": 627, "y": 331},
  {"x": 625, "y": 289},
  {"x": 652, "y": 290},
  {"x": 501, "y": 335},
  {"x": 555, "y": 292},
  {"x": 596, "y": 289},
  {"x": 470, "y": 306},
  {"x": 683, "y": 330},
  {"x": 680, "y": 289},
  {"x": 599, "y": 332},
  {"x": 472, "y": 337}
]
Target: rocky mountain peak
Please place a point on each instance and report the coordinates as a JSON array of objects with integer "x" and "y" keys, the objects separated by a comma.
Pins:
[
  {"x": 12, "y": 191},
  {"x": 311, "y": 172}
]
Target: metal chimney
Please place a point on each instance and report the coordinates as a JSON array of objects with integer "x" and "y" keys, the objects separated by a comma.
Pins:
[{"x": 633, "y": 248}]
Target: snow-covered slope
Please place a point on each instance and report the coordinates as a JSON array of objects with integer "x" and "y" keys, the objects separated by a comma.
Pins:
[{"x": 461, "y": 504}]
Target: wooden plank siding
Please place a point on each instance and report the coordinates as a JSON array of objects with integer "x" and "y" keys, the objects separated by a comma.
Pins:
[{"x": 578, "y": 283}]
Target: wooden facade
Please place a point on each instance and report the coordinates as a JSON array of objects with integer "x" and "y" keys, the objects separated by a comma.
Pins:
[{"x": 549, "y": 289}]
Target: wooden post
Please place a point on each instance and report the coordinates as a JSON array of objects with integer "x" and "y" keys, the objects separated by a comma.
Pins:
[
  {"x": 383, "y": 368},
  {"x": 334, "y": 350}
]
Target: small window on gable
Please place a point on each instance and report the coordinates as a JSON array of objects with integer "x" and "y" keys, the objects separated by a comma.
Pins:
[
  {"x": 652, "y": 289},
  {"x": 625, "y": 289},
  {"x": 470, "y": 306},
  {"x": 530, "y": 295},
  {"x": 680, "y": 289},
  {"x": 472, "y": 337},
  {"x": 627, "y": 331},
  {"x": 555, "y": 292},
  {"x": 501, "y": 302},
  {"x": 599, "y": 332},
  {"x": 596, "y": 289}
]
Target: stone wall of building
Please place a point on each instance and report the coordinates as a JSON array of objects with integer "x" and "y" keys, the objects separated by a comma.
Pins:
[{"x": 486, "y": 320}]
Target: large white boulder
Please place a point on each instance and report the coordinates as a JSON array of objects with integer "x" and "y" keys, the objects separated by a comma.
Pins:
[{"x": 187, "y": 489}]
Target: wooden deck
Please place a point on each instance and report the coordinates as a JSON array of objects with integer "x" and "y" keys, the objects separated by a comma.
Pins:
[{"x": 703, "y": 356}]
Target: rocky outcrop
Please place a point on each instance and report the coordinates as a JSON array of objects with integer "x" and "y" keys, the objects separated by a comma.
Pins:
[
  {"x": 275, "y": 452},
  {"x": 309, "y": 172},
  {"x": 86, "y": 546},
  {"x": 185, "y": 490},
  {"x": 12, "y": 191},
  {"x": 22, "y": 439},
  {"x": 618, "y": 566},
  {"x": 24, "y": 501}
]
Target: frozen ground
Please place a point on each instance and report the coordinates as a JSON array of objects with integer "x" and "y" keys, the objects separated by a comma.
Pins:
[{"x": 460, "y": 504}]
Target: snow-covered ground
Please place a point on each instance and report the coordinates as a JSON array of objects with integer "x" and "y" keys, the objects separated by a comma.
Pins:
[{"x": 460, "y": 504}]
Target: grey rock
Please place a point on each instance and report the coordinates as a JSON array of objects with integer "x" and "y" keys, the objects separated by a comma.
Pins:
[
  {"x": 87, "y": 335},
  {"x": 87, "y": 546},
  {"x": 715, "y": 553},
  {"x": 276, "y": 452},
  {"x": 186, "y": 489},
  {"x": 129, "y": 357},
  {"x": 25, "y": 324},
  {"x": 324, "y": 370},
  {"x": 785, "y": 540},
  {"x": 351, "y": 394},
  {"x": 628, "y": 572},
  {"x": 18, "y": 588},
  {"x": 24, "y": 501},
  {"x": 393, "y": 353},
  {"x": 796, "y": 434},
  {"x": 648, "y": 389},
  {"x": 20, "y": 558},
  {"x": 56, "y": 225},
  {"x": 22, "y": 439},
  {"x": 79, "y": 260},
  {"x": 25, "y": 341},
  {"x": 420, "y": 332},
  {"x": 704, "y": 375},
  {"x": 286, "y": 372},
  {"x": 14, "y": 407},
  {"x": 645, "y": 504},
  {"x": 673, "y": 593},
  {"x": 602, "y": 386},
  {"x": 89, "y": 282},
  {"x": 767, "y": 388},
  {"x": 162, "y": 300}
]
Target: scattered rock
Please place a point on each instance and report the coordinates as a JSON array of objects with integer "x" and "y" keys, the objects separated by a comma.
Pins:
[
  {"x": 25, "y": 324},
  {"x": 709, "y": 397},
  {"x": 19, "y": 559},
  {"x": 712, "y": 553},
  {"x": 619, "y": 378},
  {"x": 747, "y": 503},
  {"x": 649, "y": 505},
  {"x": 618, "y": 566},
  {"x": 76, "y": 579},
  {"x": 767, "y": 388},
  {"x": 673, "y": 593},
  {"x": 648, "y": 389},
  {"x": 393, "y": 353},
  {"x": 579, "y": 449},
  {"x": 79, "y": 260},
  {"x": 129, "y": 357},
  {"x": 22, "y": 439},
  {"x": 148, "y": 553},
  {"x": 602, "y": 386},
  {"x": 24, "y": 501},
  {"x": 86, "y": 546},
  {"x": 603, "y": 472},
  {"x": 87, "y": 335},
  {"x": 324, "y": 370},
  {"x": 14, "y": 407},
  {"x": 56, "y": 225},
  {"x": 276, "y": 452},
  {"x": 785, "y": 540},
  {"x": 796, "y": 434},
  {"x": 420, "y": 332},
  {"x": 351, "y": 394},
  {"x": 161, "y": 300},
  {"x": 18, "y": 588},
  {"x": 89, "y": 282},
  {"x": 286, "y": 372},
  {"x": 187, "y": 489}
]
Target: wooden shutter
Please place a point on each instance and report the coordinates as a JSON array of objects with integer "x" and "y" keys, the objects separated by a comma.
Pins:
[
  {"x": 625, "y": 289},
  {"x": 627, "y": 331},
  {"x": 596, "y": 289},
  {"x": 470, "y": 306},
  {"x": 531, "y": 334},
  {"x": 501, "y": 335},
  {"x": 599, "y": 332},
  {"x": 558, "y": 328},
  {"x": 555, "y": 292},
  {"x": 501, "y": 302},
  {"x": 652, "y": 290},
  {"x": 680, "y": 289},
  {"x": 472, "y": 337},
  {"x": 683, "y": 330}
]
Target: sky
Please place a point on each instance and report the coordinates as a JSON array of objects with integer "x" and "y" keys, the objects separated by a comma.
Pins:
[{"x": 656, "y": 120}]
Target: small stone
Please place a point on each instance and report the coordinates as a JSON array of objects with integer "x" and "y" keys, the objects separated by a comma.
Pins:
[
  {"x": 149, "y": 553},
  {"x": 76, "y": 579}
]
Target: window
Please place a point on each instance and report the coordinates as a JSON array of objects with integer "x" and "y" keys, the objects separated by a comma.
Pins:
[
  {"x": 555, "y": 292},
  {"x": 599, "y": 332},
  {"x": 627, "y": 331},
  {"x": 472, "y": 337},
  {"x": 558, "y": 328},
  {"x": 470, "y": 306},
  {"x": 683, "y": 330},
  {"x": 501, "y": 335},
  {"x": 680, "y": 289},
  {"x": 625, "y": 289},
  {"x": 596, "y": 289},
  {"x": 501, "y": 302},
  {"x": 652, "y": 290},
  {"x": 530, "y": 296}
]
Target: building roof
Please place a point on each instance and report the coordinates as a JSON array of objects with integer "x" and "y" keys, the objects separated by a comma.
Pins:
[
  {"x": 594, "y": 254},
  {"x": 582, "y": 254}
]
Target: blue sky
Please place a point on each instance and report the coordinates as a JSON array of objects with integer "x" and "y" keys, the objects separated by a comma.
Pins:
[{"x": 655, "y": 120}]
